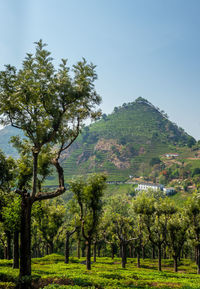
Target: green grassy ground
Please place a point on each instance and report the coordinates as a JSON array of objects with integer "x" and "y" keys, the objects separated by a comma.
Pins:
[{"x": 52, "y": 272}]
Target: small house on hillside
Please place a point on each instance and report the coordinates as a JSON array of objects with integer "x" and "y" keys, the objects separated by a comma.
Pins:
[
  {"x": 148, "y": 186},
  {"x": 171, "y": 155}
]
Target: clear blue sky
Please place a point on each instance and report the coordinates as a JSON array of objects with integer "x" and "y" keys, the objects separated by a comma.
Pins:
[{"x": 148, "y": 48}]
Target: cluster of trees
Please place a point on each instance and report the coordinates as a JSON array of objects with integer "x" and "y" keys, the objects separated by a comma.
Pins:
[
  {"x": 147, "y": 225},
  {"x": 185, "y": 173},
  {"x": 180, "y": 174}
]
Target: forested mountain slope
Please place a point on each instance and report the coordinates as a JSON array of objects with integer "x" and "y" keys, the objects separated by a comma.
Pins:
[
  {"x": 124, "y": 142},
  {"x": 120, "y": 144}
]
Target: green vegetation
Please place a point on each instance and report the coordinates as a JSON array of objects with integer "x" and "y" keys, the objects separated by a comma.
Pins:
[
  {"x": 125, "y": 142},
  {"x": 52, "y": 272},
  {"x": 50, "y": 106},
  {"x": 128, "y": 141}
]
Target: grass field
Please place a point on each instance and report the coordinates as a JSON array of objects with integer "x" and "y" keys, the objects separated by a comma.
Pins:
[{"x": 51, "y": 272}]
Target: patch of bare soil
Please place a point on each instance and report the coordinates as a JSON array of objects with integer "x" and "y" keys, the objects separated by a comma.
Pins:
[{"x": 41, "y": 283}]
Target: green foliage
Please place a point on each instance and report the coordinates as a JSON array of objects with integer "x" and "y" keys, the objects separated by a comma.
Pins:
[
  {"x": 48, "y": 218},
  {"x": 154, "y": 161},
  {"x": 11, "y": 212},
  {"x": 106, "y": 273},
  {"x": 191, "y": 141},
  {"x": 195, "y": 172},
  {"x": 7, "y": 173},
  {"x": 88, "y": 194},
  {"x": 141, "y": 132},
  {"x": 135, "y": 133}
]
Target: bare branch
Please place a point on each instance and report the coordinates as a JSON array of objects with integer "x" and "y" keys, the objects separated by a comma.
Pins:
[{"x": 44, "y": 196}]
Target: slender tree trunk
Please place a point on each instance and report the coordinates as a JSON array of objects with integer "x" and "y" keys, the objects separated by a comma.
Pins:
[
  {"x": 159, "y": 258},
  {"x": 67, "y": 248},
  {"x": 112, "y": 251},
  {"x": 51, "y": 247},
  {"x": 83, "y": 251},
  {"x": 138, "y": 257},
  {"x": 153, "y": 251},
  {"x": 5, "y": 252},
  {"x": 182, "y": 253},
  {"x": 39, "y": 252},
  {"x": 25, "y": 246},
  {"x": 143, "y": 252},
  {"x": 8, "y": 237},
  {"x": 164, "y": 252},
  {"x": 198, "y": 259},
  {"x": 175, "y": 263},
  {"x": 196, "y": 254},
  {"x": 123, "y": 249},
  {"x": 130, "y": 251},
  {"x": 79, "y": 248},
  {"x": 16, "y": 249},
  {"x": 133, "y": 251},
  {"x": 120, "y": 251},
  {"x": 95, "y": 252},
  {"x": 99, "y": 251},
  {"x": 88, "y": 254}
]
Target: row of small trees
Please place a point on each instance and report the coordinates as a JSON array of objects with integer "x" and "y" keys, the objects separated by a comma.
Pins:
[{"x": 149, "y": 220}]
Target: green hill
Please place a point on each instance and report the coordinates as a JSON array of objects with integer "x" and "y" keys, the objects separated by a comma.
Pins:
[
  {"x": 124, "y": 142},
  {"x": 121, "y": 144}
]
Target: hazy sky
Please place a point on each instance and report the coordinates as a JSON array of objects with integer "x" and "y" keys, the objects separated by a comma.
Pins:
[{"x": 148, "y": 48}]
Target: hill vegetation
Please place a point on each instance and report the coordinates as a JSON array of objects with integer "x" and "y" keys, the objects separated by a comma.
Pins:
[
  {"x": 124, "y": 142},
  {"x": 128, "y": 142}
]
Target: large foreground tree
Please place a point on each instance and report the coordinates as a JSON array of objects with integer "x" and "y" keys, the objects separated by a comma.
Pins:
[{"x": 50, "y": 106}]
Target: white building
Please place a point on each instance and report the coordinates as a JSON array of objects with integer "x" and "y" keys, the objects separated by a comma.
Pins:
[
  {"x": 147, "y": 186},
  {"x": 171, "y": 155}
]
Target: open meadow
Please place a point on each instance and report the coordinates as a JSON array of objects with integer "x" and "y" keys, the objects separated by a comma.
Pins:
[{"x": 51, "y": 272}]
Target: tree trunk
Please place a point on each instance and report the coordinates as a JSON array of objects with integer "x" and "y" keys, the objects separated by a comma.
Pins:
[
  {"x": 78, "y": 249},
  {"x": 8, "y": 237},
  {"x": 95, "y": 251},
  {"x": 47, "y": 249},
  {"x": 130, "y": 251},
  {"x": 112, "y": 251},
  {"x": 51, "y": 247},
  {"x": 138, "y": 257},
  {"x": 133, "y": 251},
  {"x": 25, "y": 247},
  {"x": 153, "y": 251},
  {"x": 5, "y": 252},
  {"x": 83, "y": 251},
  {"x": 196, "y": 254},
  {"x": 159, "y": 257},
  {"x": 198, "y": 259},
  {"x": 99, "y": 251},
  {"x": 123, "y": 252},
  {"x": 67, "y": 248},
  {"x": 175, "y": 263},
  {"x": 120, "y": 251},
  {"x": 88, "y": 254},
  {"x": 16, "y": 249},
  {"x": 143, "y": 252}
]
